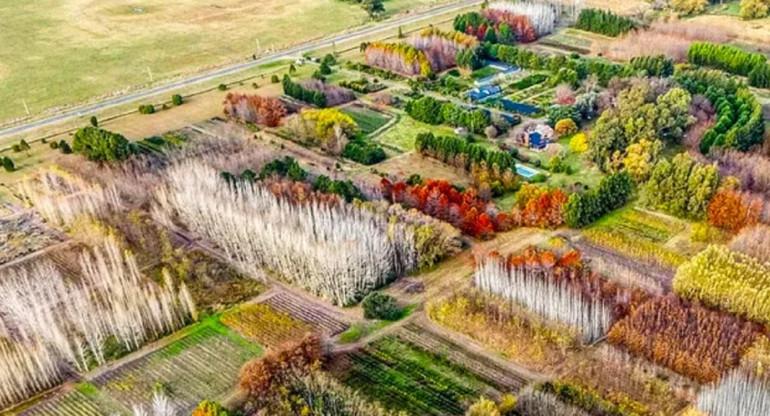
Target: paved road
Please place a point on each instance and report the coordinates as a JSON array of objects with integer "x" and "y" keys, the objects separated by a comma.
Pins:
[{"x": 295, "y": 51}]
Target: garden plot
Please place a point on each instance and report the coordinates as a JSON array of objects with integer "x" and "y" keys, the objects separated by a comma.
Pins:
[
  {"x": 405, "y": 377},
  {"x": 202, "y": 365},
  {"x": 264, "y": 324},
  {"x": 22, "y": 235},
  {"x": 73, "y": 403},
  {"x": 636, "y": 240},
  {"x": 503, "y": 379},
  {"x": 368, "y": 120},
  {"x": 318, "y": 318}
]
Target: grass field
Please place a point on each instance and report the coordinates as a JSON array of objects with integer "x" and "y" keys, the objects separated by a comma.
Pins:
[
  {"x": 59, "y": 52},
  {"x": 402, "y": 134}
]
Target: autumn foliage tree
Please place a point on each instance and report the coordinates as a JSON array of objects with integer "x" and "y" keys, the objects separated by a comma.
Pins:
[
  {"x": 686, "y": 337},
  {"x": 397, "y": 57},
  {"x": 258, "y": 377},
  {"x": 266, "y": 111},
  {"x": 733, "y": 210},
  {"x": 210, "y": 408},
  {"x": 439, "y": 199},
  {"x": 539, "y": 207}
]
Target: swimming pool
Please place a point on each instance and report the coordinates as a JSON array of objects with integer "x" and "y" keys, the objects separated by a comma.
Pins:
[{"x": 526, "y": 171}]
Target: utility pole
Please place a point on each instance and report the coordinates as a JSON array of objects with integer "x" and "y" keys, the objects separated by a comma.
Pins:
[
  {"x": 26, "y": 107},
  {"x": 149, "y": 71}
]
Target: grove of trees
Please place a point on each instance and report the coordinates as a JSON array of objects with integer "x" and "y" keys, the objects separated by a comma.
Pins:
[
  {"x": 266, "y": 111},
  {"x": 604, "y": 22},
  {"x": 397, "y": 57},
  {"x": 432, "y": 111},
  {"x": 682, "y": 187},
  {"x": 732, "y": 59},
  {"x": 612, "y": 193}
]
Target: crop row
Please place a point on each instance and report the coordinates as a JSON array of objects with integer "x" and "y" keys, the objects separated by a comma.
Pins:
[
  {"x": 634, "y": 247},
  {"x": 69, "y": 404},
  {"x": 318, "y": 318},
  {"x": 265, "y": 325},
  {"x": 503, "y": 379},
  {"x": 404, "y": 377},
  {"x": 202, "y": 365}
]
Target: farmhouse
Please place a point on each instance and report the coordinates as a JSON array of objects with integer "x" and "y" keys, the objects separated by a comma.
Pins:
[{"x": 535, "y": 136}]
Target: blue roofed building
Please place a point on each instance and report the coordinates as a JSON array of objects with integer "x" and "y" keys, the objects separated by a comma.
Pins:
[{"x": 484, "y": 93}]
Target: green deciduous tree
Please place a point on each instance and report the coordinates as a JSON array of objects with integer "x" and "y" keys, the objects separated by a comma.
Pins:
[{"x": 682, "y": 187}]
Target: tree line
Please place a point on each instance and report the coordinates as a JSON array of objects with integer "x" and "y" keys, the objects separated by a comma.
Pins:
[
  {"x": 297, "y": 91},
  {"x": 612, "y": 193},
  {"x": 604, "y": 22},
  {"x": 731, "y": 59},
  {"x": 432, "y": 111},
  {"x": 740, "y": 123},
  {"x": 446, "y": 148}
]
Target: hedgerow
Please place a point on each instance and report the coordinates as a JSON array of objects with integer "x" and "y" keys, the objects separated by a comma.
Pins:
[{"x": 604, "y": 22}]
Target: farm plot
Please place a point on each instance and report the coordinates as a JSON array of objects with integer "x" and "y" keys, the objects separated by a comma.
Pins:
[
  {"x": 263, "y": 324},
  {"x": 368, "y": 120},
  {"x": 72, "y": 403},
  {"x": 318, "y": 318},
  {"x": 405, "y": 377},
  {"x": 637, "y": 240},
  {"x": 22, "y": 235},
  {"x": 501, "y": 378},
  {"x": 202, "y": 365}
]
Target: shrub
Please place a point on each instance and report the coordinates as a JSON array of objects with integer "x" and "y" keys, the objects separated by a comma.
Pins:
[
  {"x": 146, "y": 109},
  {"x": 579, "y": 143},
  {"x": 721, "y": 278},
  {"x": 565, "y": 127},
  {"x": 754, "y": 9},
  {"x": 8, "y": 164},
  {"x": 689, "y": 6},
  {"x": 94, "y": 122},
  {"x": 210, "y": 408},
  {"x": 603, "y": 22},
  {"x": 733, "y": 210},
  {"x": 99, "y": 145},
  {"x": 222, "y": 87},
  {"x": 177, "y": 99},
  {"x": 275, "y": 79},
  {"x": 64, "y": 147},
  {"x": 378, "y": 305}
]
